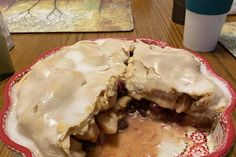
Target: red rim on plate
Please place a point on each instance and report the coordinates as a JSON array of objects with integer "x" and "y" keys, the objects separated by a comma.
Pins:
[{"x": 222, "y": 150}]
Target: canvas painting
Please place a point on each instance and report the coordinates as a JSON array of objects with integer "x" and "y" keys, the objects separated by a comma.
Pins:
[{"x": 67, "y": 15}]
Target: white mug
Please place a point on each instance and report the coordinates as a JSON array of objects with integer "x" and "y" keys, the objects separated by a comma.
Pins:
[{"x": 201, "y": 32}]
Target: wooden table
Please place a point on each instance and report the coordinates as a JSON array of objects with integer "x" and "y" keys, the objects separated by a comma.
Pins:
[{"x": 152, "y": 19}]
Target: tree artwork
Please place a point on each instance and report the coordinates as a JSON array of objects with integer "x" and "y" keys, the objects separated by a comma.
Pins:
[{"x": 67, "y": 16}]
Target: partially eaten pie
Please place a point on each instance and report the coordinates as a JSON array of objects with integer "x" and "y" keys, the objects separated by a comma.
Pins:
[{"x": 74, "y": 99}]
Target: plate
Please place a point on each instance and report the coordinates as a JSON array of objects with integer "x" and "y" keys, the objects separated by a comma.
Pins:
[{"x": 211, "y": 144}]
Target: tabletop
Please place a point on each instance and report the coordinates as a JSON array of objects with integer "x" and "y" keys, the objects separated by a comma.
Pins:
[{"x": 152, "y": 19}]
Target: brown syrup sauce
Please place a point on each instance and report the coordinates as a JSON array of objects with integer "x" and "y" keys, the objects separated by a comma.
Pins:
[{"x": 142, "y": 138}]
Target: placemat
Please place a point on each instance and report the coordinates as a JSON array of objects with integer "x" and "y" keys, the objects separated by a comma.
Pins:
[
  {"x": 67, "y": 15},
  {"x": 228, "y": 37}
]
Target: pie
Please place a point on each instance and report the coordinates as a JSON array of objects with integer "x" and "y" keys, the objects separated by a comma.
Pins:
[{"x": 84, "y": 93}]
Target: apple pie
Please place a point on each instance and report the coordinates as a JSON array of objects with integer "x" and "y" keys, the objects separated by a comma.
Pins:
[{"x": 69, "y": 102}]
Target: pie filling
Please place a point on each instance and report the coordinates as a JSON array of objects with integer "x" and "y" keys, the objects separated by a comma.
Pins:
[
  {"x": 112, "y": 132},
  {"x": 141, "y": 137},
  {"x": 112, "y": 97}
]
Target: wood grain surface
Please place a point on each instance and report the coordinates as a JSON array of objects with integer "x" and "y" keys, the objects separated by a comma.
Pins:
[{"x": 152, "y": 19}]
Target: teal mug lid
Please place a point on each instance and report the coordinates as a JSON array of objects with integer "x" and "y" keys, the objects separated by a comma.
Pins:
[{"x": 209, "y": 7}]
